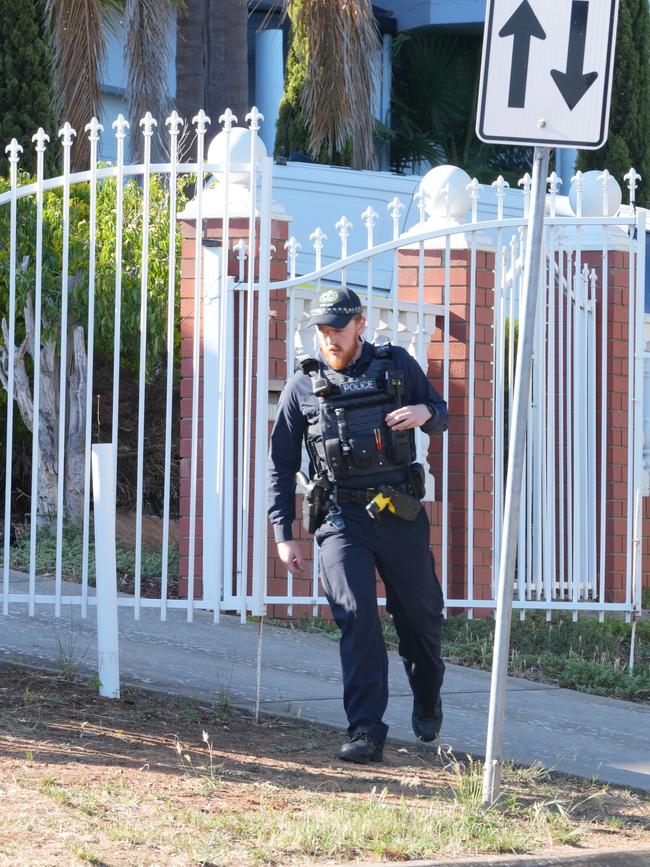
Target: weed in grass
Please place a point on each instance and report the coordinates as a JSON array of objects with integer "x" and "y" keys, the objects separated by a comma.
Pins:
[
  {"x": 85, "y": 855},
  {"x": 69, "y": 657},
  {"x": 223, "y": 697},
  {"x": 208, "y": 772}
]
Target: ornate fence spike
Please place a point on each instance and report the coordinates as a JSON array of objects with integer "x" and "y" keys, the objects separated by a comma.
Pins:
[
  {"x": 292, "y": 246},
  {"x": 254, "y": 117},
  {"x": 40, "y": 138},
  {"x": 14, "y": 150},
  {"x": 344, "y": 226},
  {"x": 420, "y": 201},
  {"x": 201, "y": 121},
  {"x": 228, "y": 120},
  {"x": 94, "y": 128},
  {"x": 318, "y": 238},
  {"x": 395, "y": 207},
  {"x": 604, "y": 180},
  {"x": 241, "y": 248},
  {"x": 120, "y": 125},
  {"x": 66, "y": 134},
  {"x": 148, "y": 122},
  {"x": 370, "y": 218},
  {"x": 474, "y": 190},
  {"x": 500, "y": 186},
  {"x": 526, "y": 183},
  {"x": 554, "y": 182},
  {"x": 632, "y": 178},
  {"x": 174, "y": 122},
  {"x": 577, "y": 181}
]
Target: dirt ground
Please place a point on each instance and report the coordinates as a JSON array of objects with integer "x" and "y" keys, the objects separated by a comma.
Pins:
[{"x": 150, "y": 779}]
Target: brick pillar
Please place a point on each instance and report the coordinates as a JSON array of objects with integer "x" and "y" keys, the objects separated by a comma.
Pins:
[
  {"x": 459, "y": 392},
  {"x": 213, "y": 227},
  {"x": 618, "y": 397}
]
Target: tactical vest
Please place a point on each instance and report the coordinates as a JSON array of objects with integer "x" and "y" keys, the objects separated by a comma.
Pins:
[{"x": 350, "y": 438}]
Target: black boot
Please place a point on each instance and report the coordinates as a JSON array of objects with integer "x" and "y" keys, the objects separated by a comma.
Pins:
[
  {"x": 361, "y": 748},
  {"x": 426, "y": 719}
]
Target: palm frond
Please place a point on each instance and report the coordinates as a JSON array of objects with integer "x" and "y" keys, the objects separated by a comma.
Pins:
[
  {"x": 79, "y": 50},
  {"x": 343, "y": 52},
  {"x": 147, "y": 24}
]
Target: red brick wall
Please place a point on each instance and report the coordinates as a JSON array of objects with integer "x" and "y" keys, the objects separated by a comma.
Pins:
[
  {"x": 213, "y": 231},
  {"x": 459, "y": 356}
]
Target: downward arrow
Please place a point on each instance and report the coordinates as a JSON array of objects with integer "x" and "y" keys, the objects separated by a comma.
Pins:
[
  {"x": 523, "y": 24},
  {"x": 573, "y": 84}
]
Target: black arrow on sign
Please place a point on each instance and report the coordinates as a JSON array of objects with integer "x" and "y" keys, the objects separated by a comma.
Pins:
[
  {"x": 573, "y": 84},
  {"x": 523, "y": 24}
]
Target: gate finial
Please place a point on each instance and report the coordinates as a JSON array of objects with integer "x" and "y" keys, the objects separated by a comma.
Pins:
[
  {"x": 66, "y": 134},
  {"x": 148, "y": 122},
  {"x": 228, "y": 119},
  {"x": 174, "y": 122},
  {"x": 14, "y": 150},
  {"x": 254, "y": 116},
  {"x": 40, "y": 137},
  {"x": 526, "y": 183},
  {"x": 201, "y": 121},
  {"x": 94, "y": 128},
  {"x": 500, "y": 186},
  {"x": 120, "y": 125},
  {"x": 474, "y": 190},
  {"x": 632, "y": 178}
]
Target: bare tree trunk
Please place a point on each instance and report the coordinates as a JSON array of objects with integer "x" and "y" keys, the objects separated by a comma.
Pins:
[
  {"x": 48, "y": 421},
  {"x": 76, "y": 427},
  {"x": 212, "y": 59}
]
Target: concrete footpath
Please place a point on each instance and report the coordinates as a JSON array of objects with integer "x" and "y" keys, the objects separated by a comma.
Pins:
[{"x": 567, "y": 731}]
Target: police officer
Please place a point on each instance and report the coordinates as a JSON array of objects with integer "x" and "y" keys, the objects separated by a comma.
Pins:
[{"x": 356, "y": 407}]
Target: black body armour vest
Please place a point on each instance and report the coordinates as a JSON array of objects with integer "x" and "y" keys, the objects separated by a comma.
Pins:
[{"x": 350, "y": 439}]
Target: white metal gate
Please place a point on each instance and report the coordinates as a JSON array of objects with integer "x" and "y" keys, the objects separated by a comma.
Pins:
[{"x": 225, "y": 380}]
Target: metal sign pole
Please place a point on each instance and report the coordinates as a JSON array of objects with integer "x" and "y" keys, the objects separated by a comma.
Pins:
[{"x": 532, "y": 267}]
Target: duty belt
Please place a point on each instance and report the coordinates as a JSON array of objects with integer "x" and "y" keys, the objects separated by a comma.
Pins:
[{"x": 353, "y": 497}]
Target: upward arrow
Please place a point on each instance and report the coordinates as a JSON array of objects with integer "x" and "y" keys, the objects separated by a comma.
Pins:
[
  {"x": 523, "y": 25},
  {"x": 573, "y": 84}
]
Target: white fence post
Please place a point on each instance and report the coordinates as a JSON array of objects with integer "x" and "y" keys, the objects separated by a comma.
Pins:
[
  {"x": 108, "y": 657},
  {"x": 213, "y": 422}
]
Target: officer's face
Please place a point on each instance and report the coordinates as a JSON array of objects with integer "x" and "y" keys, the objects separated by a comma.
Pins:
[{"x": 340, "y": 345}]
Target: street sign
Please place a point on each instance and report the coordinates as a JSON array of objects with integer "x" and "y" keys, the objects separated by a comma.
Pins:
[{"x": 546, "y": 75}]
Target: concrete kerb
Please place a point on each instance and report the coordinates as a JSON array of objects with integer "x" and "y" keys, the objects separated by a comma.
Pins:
[{"x": 600, "y": 858}]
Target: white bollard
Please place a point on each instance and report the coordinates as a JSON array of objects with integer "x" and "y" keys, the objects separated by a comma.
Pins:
[{"x": 108, "y": 657}]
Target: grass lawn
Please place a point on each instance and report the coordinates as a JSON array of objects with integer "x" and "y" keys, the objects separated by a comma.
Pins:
[{"x": 151, "y": 779}]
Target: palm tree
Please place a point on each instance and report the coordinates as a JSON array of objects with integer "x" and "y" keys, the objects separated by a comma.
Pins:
[
  {"x": 341, "y": 43},
  {"x": 212, "y": 58},
  {"x": 78, "y": 30}
]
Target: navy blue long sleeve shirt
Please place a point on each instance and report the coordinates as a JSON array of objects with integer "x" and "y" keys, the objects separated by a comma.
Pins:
[{"x": 298, "y": 403}]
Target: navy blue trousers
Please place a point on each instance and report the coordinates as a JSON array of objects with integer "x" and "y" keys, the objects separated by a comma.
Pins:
[{"x": 399, "y": 550}]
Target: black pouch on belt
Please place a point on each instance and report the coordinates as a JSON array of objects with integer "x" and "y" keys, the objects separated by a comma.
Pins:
[
  {"x": 416, "y": 480},
  {"x": 405, "y": 506}
]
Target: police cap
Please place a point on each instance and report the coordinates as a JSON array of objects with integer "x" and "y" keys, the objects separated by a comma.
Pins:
[{"x": 335, "y": 307}]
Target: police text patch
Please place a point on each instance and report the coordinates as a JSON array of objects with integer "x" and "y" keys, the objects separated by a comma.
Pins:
[{"x": 358, "y": 385}]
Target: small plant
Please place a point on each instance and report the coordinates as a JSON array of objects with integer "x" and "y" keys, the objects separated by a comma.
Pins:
[
  {"x": 67, "y": 654},
  {"x": 208, "y": 771}
]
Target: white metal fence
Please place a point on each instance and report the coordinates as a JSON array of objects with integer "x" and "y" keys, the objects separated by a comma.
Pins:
[{"x": 564, "y": 536}]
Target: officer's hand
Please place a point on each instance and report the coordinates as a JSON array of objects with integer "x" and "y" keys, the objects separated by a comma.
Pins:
[
  {"x": 291, "y": 556},
  {"x": 407, "y": 417}
]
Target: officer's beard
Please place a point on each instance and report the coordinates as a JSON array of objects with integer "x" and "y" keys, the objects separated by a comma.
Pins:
[{"x": 341, "y": 359}]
